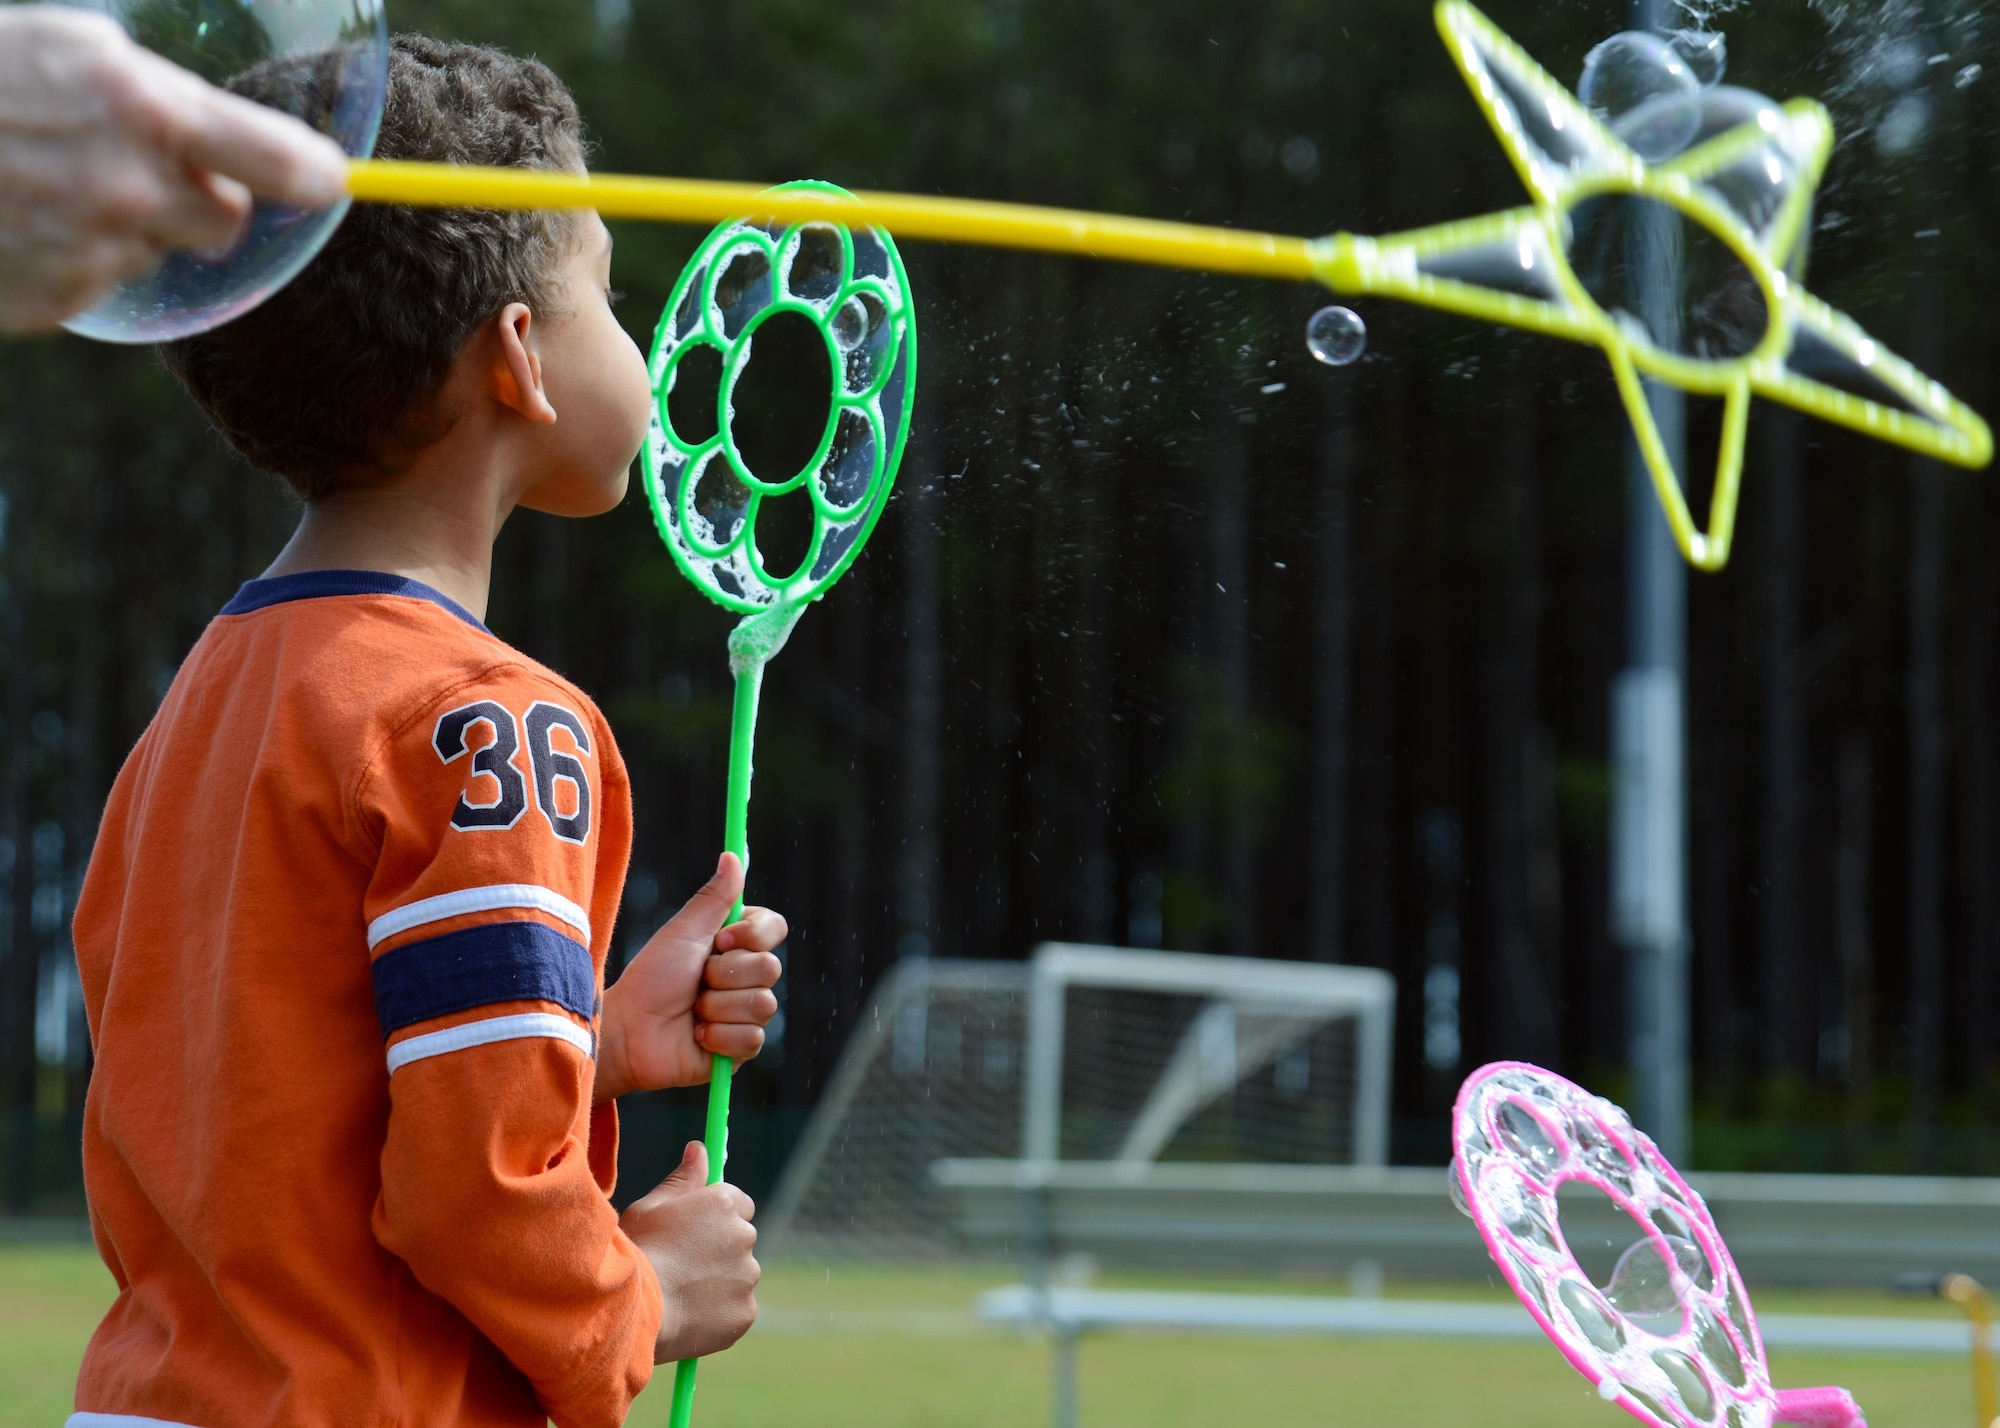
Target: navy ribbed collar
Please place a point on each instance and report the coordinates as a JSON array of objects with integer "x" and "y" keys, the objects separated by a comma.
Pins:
[{"x": 318, "y": 584}]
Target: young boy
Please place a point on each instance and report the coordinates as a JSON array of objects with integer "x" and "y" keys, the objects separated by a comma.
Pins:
[{"x": 350, "y": 1135}]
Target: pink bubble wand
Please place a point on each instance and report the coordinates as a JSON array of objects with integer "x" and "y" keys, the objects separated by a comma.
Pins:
[{"x": 1672, "y": 1338}]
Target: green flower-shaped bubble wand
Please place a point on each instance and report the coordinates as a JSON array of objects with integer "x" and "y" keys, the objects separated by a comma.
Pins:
[{"x": 705, "y": 498}]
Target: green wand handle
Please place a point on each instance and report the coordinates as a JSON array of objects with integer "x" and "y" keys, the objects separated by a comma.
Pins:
[
  {"x": 751, "y": 645},
  {"x": 852, "y": 287}
]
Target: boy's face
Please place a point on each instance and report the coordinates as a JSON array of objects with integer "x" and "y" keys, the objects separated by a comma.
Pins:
[{"x": 596, "y": 380}]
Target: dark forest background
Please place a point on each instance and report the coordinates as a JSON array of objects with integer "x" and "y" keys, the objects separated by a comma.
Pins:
[{"x": 1172, "y": 637}]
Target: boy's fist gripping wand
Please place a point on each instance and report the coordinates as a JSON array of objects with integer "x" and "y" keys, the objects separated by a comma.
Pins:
[
  {"x": 851, "y": 287},
  {"x": 1733, "y": 170}
]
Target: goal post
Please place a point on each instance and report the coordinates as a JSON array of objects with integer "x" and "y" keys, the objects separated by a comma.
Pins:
[
  {"x": 932, "y": 1070},
  {"x": 1183, "y": 1031},
  {"x": 1109, "y": 1055}
]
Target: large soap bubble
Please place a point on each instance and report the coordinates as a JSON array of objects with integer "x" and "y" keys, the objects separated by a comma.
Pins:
[
  {"x": 324, "y": 61},
  {"x": 1670, "y": 124},
  {"x": 1630, "y": 68}
]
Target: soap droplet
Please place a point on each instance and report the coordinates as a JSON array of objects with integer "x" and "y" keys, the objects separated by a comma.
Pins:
[
  {"x": 1739, "y": 1315},
  {"x": 1527, "y": 1222},
  {"x": 1645, "y": 1401},
  {"x": 1531, "y": 1281},
  {"x": 1688, "y": 1381},
  {"x": 850, "y": 324},
  {"x": 1458, "y": 1191},
  {"x": 1717, "y": 1349},
  {"x": 1336, "y": 335},
  {"x": 1598, "y": 1324},
  {"x": 1599, "y": 1152},
  {"x": 1693, "y": 1263},
  {"x": 1525, "y": 1137}
]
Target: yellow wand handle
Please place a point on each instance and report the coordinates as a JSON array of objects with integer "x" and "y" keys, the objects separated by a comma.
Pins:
[{"x": 956, "y": 220}]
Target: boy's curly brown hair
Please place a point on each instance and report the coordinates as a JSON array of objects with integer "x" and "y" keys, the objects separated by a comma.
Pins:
[{"x": 336, "y": 377}]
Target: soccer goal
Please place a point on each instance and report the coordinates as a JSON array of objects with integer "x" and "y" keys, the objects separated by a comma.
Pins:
[{"x": 1099, "y": 1054}]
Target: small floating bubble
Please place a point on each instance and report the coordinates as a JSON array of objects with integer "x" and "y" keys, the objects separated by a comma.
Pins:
[{"x": 1336, "y": 335}]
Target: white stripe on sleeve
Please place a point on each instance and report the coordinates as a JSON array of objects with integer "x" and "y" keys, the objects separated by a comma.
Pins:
[
  {"x": 486, "y": 899},
  {"x": 117, "y": 1420},
  {"x": 484, "y": 1033}
]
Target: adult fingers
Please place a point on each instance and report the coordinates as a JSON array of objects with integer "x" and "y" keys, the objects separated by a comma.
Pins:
[
  {"x": 270, "y": 153},
  {"x": 735, "y": 971},
  {"x": 202, "y": 213},
  {"x": 758, "y": 930}
]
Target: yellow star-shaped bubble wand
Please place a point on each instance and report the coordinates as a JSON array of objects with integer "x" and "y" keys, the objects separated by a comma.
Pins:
[
  {"x": 1739, "y": 188},
  {"x": 1748, "y": 187}
]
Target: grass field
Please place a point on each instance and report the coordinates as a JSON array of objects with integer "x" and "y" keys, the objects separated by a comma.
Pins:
[{"x": 845, "y": 1346}]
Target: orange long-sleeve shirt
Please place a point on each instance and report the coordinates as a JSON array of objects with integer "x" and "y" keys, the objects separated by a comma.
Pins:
[{"x": 342, "y": 944}]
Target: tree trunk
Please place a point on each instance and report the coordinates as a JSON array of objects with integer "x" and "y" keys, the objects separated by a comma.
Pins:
[
  {"x": 1526, "y": 1005},
  {"x": 847, "y": 933},
  {"x": 1979, "y": 845},
  {"x": 1784, "y": 992},
  {"x": 1231, "y": 645},
  {"x": 1333, "y": 601},
  {"x": 23, "y": 964},
  {"x": 1853, "y": 947},
  {"x": 923, "y": 698}
]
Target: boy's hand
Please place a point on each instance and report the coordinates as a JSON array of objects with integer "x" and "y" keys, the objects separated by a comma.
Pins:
[
  {"x": 696, "y": 989},
  {"x": 699, "y": 1239}
]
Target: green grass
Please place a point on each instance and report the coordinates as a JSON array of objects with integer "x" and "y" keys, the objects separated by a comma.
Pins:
[
  {"x": 863, "y": 1346},
  {"x": 51, "y": 1297}
]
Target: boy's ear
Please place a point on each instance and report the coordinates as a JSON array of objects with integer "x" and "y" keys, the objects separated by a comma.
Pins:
[{"x": 516, "y": 376}]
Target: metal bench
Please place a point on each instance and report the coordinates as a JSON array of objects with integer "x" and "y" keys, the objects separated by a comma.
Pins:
[
  {"x": 1811, "y": 1230},
  {"x": 1794, "y": 1230}
]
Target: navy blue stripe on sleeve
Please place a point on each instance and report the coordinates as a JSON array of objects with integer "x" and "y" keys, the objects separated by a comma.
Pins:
[{"x": 478, "y": 966}]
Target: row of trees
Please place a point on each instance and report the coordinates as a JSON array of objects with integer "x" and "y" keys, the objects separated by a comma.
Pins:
[{"x": 1171, "y": 636}]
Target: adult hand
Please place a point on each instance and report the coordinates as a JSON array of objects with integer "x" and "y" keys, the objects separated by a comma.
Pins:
[
  {"x": 110, "y": 158},
  {"x": 697, "y": 989},
  {"x": 699, "y": 1239}
]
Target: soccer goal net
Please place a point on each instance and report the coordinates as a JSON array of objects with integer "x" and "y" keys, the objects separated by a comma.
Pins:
[{"x": 1095, "y": 1054}]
